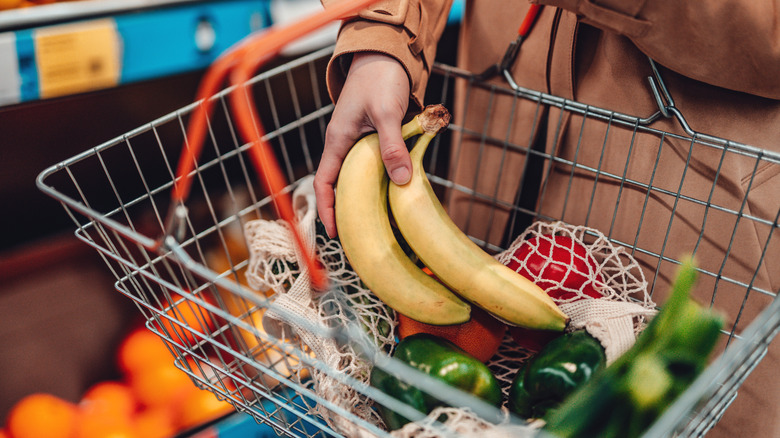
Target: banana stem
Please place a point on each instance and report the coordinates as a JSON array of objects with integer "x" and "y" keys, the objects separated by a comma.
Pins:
[{"x": 434, "y": 118}]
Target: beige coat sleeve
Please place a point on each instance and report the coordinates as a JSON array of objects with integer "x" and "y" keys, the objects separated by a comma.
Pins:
[
  {"x": 407, "y": 30},
  {"x": 732, "y": 44}
]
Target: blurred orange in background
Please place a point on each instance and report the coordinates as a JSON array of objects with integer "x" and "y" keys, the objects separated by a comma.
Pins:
[
  {"x": 110, "y": 399},
  {"x": 42, "y": 415},
  {"x": 155, "y": 423},
  {"x": 188, "y": 313},
  {"x": 199, "y": 407},
  {"x": 93, "y": 424},
  {"x": 140, "y": 349},
  {"x": 159, "y": 386},
  {"x": 153, "y": 399}
]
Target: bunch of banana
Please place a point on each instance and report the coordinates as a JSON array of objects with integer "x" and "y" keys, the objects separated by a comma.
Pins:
[
  {"x": 371, "y": 247},
  {"x": 366, "y": 235}
]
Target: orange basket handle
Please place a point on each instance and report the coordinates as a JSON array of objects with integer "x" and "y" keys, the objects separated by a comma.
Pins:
[{"x": 239, "y": 64}]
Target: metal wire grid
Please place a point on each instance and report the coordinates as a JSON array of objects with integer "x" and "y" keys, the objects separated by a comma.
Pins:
[
  {"x": 704, "y": 404},
  {"x": 118, "y": 196},
  {"x": 612, "y": 121}
]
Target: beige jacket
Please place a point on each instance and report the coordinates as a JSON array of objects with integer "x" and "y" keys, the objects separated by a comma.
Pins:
[{"x": 721, "y": 63}]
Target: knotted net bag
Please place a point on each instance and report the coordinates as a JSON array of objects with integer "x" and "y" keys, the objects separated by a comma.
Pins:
[
  {"x": 610, "y": 270},
  {"x": 273, "y": 264},
  {"x": 614, "y": 319}
]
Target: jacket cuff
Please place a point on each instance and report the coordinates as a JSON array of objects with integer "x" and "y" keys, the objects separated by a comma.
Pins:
[{"x": 397, "y": 42}]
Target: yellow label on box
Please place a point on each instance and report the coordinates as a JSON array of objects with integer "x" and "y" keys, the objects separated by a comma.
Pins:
[{"x": 77, "y": 57}]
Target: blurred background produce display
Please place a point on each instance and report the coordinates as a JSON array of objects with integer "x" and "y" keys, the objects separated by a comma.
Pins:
[
  {"x": 151, "y": 398},
  {"x": 61, "y": 319},
  {"x": 62, "y": 323}
]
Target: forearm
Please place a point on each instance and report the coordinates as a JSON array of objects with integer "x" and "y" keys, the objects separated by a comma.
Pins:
[{"x": 727, "y": 43}]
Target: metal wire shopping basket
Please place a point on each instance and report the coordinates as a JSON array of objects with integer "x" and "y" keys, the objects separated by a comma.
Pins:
[{"x": 119, "y": 196}]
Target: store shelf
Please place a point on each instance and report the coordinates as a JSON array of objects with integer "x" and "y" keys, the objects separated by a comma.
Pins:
[{"x": 69, "y": 48}]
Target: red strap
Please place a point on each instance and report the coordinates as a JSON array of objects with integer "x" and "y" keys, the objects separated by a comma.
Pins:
[
  {"x": 238, "y": 64},
  {"x": 529, "y": 19}
]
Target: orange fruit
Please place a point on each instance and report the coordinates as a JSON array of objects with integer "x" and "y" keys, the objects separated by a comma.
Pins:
[
  {"x": 93, "y": 423},
  {"x": 480, "y": 336},
  {"x": 42, "y": 415},
  {"x": 155, "y": 423},
  {"x": 142, "y": 349},
  {"x": 532, "y": 340},
  {"x": 160, "y": 386},
  {"x": 199, "y": 407},
  {"x": 188, "y": 313},
  {"x": 110, "y": 398}
]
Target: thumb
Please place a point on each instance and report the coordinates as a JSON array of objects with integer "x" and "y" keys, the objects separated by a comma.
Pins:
[{"x": 394, "y": 153}]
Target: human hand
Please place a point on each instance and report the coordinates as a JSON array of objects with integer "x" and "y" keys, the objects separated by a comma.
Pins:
[{"x": 375, "y": 97}]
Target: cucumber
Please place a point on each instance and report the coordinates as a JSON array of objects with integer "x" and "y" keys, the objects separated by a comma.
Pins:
[{"x": 624, "y": 399}]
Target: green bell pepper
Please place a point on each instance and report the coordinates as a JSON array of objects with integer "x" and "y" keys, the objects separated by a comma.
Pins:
[
  {"x": 556, "y": 371},
  {"x": 438, "y": 358}
]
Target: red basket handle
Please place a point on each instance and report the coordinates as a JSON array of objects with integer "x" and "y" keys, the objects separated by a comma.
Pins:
[
  {"x": 241, "y": 62},
  {"x": 529, "y": 20}
]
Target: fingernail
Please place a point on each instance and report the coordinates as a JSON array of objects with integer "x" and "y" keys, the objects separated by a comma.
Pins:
[{"x": 400, "y": 175}]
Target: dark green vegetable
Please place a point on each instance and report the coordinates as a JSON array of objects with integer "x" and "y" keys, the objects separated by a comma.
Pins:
[
  {"x": 441, "y": 359},
  {"x": 556, "y": 371},
  {"x": 629, "y": 395}
]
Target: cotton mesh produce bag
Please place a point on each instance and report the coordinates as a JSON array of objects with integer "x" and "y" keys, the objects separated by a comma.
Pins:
[
  {"x": 615, "y": 318},
  {"x": 274, "y": 263},
  {"x": 624, "y": 307}
]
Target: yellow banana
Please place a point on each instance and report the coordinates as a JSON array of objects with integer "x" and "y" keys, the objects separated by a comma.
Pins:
[
  {"x": 367, "y": 238},
  {"x": 458, "y": 262}
]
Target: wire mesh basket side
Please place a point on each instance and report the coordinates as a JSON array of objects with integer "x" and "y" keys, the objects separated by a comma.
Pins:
[
  {"x": 653, "y": 190},
  {"x": 118, "y": 195},
  {"x": 520, "y": 161}
]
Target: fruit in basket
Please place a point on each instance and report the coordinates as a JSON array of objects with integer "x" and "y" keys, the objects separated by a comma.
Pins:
[
  {"x": 41, "y": 415},
  {"x": 629, "y": 395},
  {"x": 560, "y": 265},
  {"x": 458, "y": 262},
  {"x": 546, "y": 379},
  {"x": 442, "y": 360},
  {"x": 370, "y": 245},
  {"x": 480, "y": 336},
  {"x": 532, "y": 340}
]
